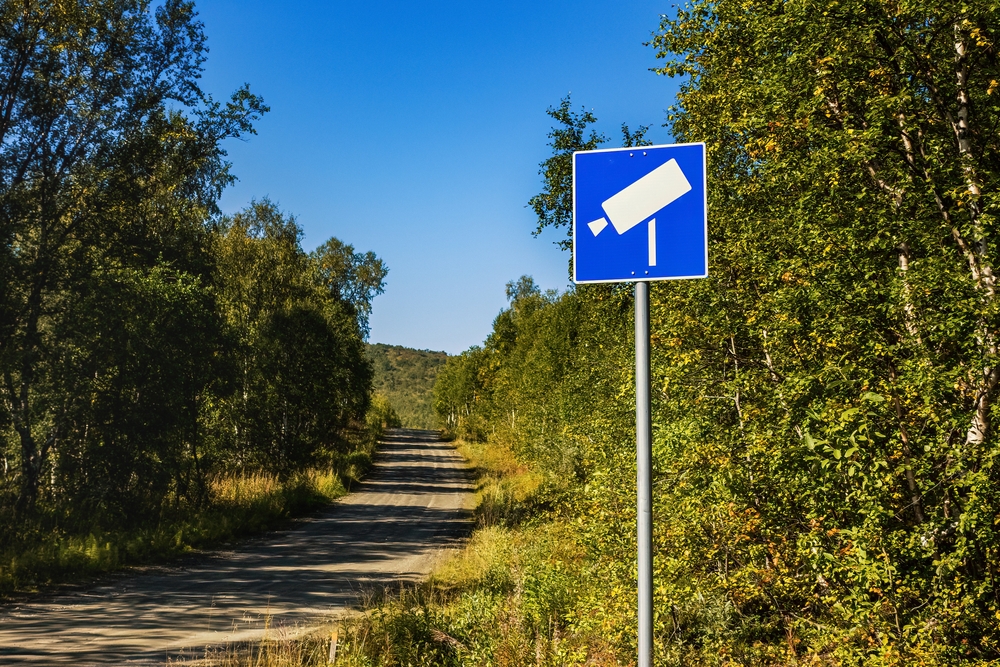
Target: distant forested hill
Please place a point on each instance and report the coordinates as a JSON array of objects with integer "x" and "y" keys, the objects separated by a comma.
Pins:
[{"x": 406, "y": 377}]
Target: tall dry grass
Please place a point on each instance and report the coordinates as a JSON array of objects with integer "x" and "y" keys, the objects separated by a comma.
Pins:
[
  {"x": 505, "y": 488},
  {"x": 296, "y": 650},
  {"x": 238, "y": 505},
  {"x": 505, "y": 599}
]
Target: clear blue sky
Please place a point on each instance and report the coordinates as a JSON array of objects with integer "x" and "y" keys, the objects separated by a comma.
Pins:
[{"x": 415, "y": 129}]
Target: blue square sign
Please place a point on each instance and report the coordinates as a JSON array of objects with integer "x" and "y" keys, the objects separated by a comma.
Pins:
[{"x": 640, "y": 214}]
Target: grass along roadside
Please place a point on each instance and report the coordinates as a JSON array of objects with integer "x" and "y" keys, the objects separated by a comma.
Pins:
[
  {"x": 238, "y": 506},
  {"x": 506, "y": 598}
]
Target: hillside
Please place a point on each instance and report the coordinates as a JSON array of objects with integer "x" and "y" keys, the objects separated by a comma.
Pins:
[{"x": 406, "y": 377}]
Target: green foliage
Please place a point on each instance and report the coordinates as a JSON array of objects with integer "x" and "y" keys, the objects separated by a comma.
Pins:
[
  {"x": 850, "y": 327},
  {"x": 554, "y": 205},
  {"x": 406, "y": 378},
  {"x": 138, "y": 345},
  {"x": 351, "y": 278},
  {"x": 112, "y": 160},
  {"x": 825, "y": 460},
  {"x": 299, "y": 371},
  {"x": 455, "y": 390},
  {"x": 508, "y": 492},
  {"x": 148, "y": 345},
  {"x": 381, "y": 414}
]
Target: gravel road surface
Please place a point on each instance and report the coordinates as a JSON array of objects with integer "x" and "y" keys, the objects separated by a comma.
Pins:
[{"x": 391, "y": 530}]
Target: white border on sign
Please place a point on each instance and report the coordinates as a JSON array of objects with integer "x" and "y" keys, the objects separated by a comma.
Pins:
[{"x": 640, "y": 279}]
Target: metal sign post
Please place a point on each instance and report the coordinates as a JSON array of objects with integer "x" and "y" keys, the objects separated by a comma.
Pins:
[
  {"x": 644, "y": 468},
  {"x": 623, "y": 188}
]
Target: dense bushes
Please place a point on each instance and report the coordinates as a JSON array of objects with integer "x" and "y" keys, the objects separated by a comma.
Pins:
[{"x": 770, "y": 549}]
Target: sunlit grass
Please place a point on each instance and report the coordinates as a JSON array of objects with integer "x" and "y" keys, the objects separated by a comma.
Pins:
[
  {"x": 275, "y": 649},
  {"x": 504, "y": 486},
  {"x": 503, "y": 599},
  {"x": 489, "y": 550}
]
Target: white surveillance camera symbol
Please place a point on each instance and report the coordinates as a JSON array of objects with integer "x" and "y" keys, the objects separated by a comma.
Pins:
[{"x": 640, "y": 200}]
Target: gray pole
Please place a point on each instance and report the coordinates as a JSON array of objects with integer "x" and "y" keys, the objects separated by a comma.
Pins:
[{"x": 644, "y": 467}]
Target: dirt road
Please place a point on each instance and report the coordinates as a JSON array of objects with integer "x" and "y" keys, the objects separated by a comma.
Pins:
[{"x": 391, "y": 530}]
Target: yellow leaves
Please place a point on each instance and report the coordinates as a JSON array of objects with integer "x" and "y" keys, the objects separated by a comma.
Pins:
[
  {"x": 992, "y": 87},
  {"x": 877, "y": 73},
  {"x": 981, "y": 40}
]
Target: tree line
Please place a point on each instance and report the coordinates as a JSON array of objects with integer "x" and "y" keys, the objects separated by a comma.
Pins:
[
  {"x": 825, "y": 447},
  {"x": 405, "y": 377},
  {"x": 148, "y": 342}
]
